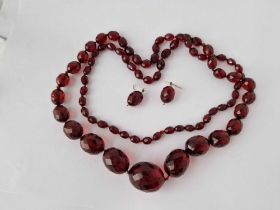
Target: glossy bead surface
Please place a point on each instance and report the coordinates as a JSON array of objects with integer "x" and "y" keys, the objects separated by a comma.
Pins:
[
  {"x": 176, "y": 163},
  {"x": 234, "y": 77},
  {"x": 147, "y": 140},
  {"x": 73, "y": 130},
  {"x": 197, "y": 145},
  {"x": 90, "y": 46},
  {"x": 234, "y": 126},
  {"x": 135, "y": 98},
  {"x": 83, "y": 57},
  {"x": 115, "y": 160},
  {"x": 208, "y": 50},
  {"x": 113, "y": 35},
  {"x": 146, "y": 176},
  {"x": 219, "y": 73},
  {"x": 212, "y": 62},
  {"x": 241, "y": 111},
  {"x": 249, "y": 97},
  {"x": 135, "y": 139},
  {"x": 61, "y": 113},
  {"x": 101, "y": 38},
  {"x": 74, "y": 67},
  {"x": 57, "y": 96},
  {"x": 167, "y": 94},
  {"x": 62, "y": 80},
  {"x": 219, "y": 138},
  {"x": 92, "y": 143},
  {"x": 249, "y": 84},
  {"x": 148, "y": 80}
]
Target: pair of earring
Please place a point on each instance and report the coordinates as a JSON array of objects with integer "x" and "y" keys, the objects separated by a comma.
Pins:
[{"x": 167, "y": 95}]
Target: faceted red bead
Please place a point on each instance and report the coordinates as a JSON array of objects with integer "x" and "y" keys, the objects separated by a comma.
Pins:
[
  {"x": 221, "y": 57},
  {"x": 249, "y": 97},
  {"x": 165, "y": 53},
  {"x": 91, "y": 62},
  {"x": 157, "y": 76},
  {"x": 238, "y": 68},
  {"x": 148, "y": 80},
  {"x": 83, "y": 57},
  {"x": 135, "y": 139},
  {"x": 169, "y": 130},
  {"x": 119, "y": 51},
  {"x": 197, "y": 145},
  {"x": 92, "y": 119},
  {"x": 61, "y": 113},
  {"x": 212, "y": 62},
  {"x": 111, "y": 46},
  {"x": 249, "y": 84},
  {"x": 92, "y": 143},
  {"x": 196, "y": 41},
  {"x": 147, "y": 140},
  {"x": 146, "y": 63},
  {"x": 231, "y": 61},
  {"x": 115, "y": 160},
  {"x": 159, "y": 40},
  {"x": 73, "y": 130},
  {"x": 167, "y": 94},
  {"x": 102, "y": 124},
  {"x": 138, "y": 74},
  {"x": 193, "y": 51},
  {"x": 74, "y": 67},
  {"x": 174, "y": 44},
  {"x": 125, "y": 58},
  {"x": 199, "y": 125},
  {"x": 176, "y": 163},
  {"x": 131, "y": 66},
  {"x": 84, "y": 79},
  {"x": 189, "y": 128},
  {"x": 208, "y": 50},
  {"x": 188, "y": 42},
  {"x": 101, "y": 38},
  {"x": 202, "y": 57},
  {"x": 124, "y": 134},
  {"x": 207, "y": 118},
  {"x": 234, "y": 77},
  {"x": 169, "y": 37},
  {"x": 135, "y": 98},
  {"x": 57, "y": 96},
  {"x": 234, "y": 126},
  {"x": 122, "y": 42},
  {"x": 219, "y": 73},
  {"x": 235, "y": 94},
  {"x": 219, "y": 138},
  {"x": 113, "y": 35},
  {"x": 160, "y": 64},
  {"x": 179, "y": 128},
  {"x": 154, "y": 58},
  {"x": 136, "y": 59},
  {"x": 85, "y": 111},
  {"x": 82, "y": 101},
  {"x": 155, "y": 48},
  {"x": 83, "y": 90},
  {"x": 231, "y": 102},
  {"x": 87, "y": 70},
  {"x": 241, "y": 111},
  {"x": 90, "y": 46},
  {"x": 146, "y": 176},
  {"x": 157, "y": 135},
  {"x": 114, "y": 129},
  {"x": 62, "y": 80},
  {"x": 129, "y": 50}
]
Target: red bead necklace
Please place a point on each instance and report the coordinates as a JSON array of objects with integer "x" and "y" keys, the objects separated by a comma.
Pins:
[{"x": 147, "y": 176}]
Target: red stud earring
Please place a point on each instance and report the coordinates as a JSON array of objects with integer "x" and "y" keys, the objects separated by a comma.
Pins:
[
  {"x": 135, "y": 98},
  {"x": 168, "y": 93}
]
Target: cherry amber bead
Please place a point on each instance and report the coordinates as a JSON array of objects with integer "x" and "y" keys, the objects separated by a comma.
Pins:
[
  {"x": 111, "y": 46},
  {"x": 135, "y": 98},
  {"x": 122, "y": 42},
  {"x": 241, "y": 111},
  {"x": 219, "y": 73},
  {"x": 124, "y": 134},
  {"x": 101, "y": 38},
  {"x": 155, "y": 48},
  {"x": 113, "y": 35},
  {"x": 249, "y": 97},
  {"x": 147, "y": 140},
  {"x": 135, "y": 139},
  {"x": 92, "y": 119},
  {"x": 138, "y": 74},
  {"x": 115, "y": 160},
  {"x": 208, "y": 50},
  {"x": 154, "y": 58},
  {"x": 189, "y": 128},
  {"x": 212, "y": 62},
  {"x": 136, "y": 59},
  {"x": 73, "y": 130},
  {"x": 231, "y": 61},
  {"x": 219, "y": 138},
  {"x": 62, "y": 80},
  {"x": 61, "y": 113},
  {"x": 85, "y": 111},
  {"x": 196, "y": 41},
  {"x": 83, "y": 90},
  {"x": 159, "y": 40},
  {"x": 157, "y": 76},
  {"x": 169, "y": 37},
  {"x": 102, "y": 124},
  {"x": 160, "y": 64},
  {"x": 169, "y": 130},
  {"x": 114, "y": 129},
  {"x": 176, "y": 163},
  {"x": 74, "y": 67},
  {"x": 57, "y": 96},
  {"x": 90, "y": 46},
  {"x": 221, "y": 57},
  {"x": 83, "y": 57},
  {"x": 165, "y": 53},
  {"x": 193, "y": 51},
  {"x": 174, "y": 44},
  {"x": 129, "y": 50},
  {"x": 146, "y": 63},
  {"x": 249, "y": 84},
  {"x": 234, "y": 126},
  {"x": 234, "y": 77},
  {"x": 167, "y": 94},
  {"x": 92, "y": 143},
  {"x": 238, "y": 68},
  {"x": 197, "y": 145},
  {"x": 146, "y": 176},
  {"x": 148, "y": 80},
  {"x": 157, "y": 135}
]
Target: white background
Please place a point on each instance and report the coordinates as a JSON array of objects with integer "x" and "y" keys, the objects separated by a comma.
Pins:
[{"x": 41, "y": 169}]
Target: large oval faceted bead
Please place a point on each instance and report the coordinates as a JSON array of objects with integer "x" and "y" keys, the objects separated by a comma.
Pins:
[
  {"x": 146, "y": 176},
  {"x": 167, "y": 94},
  {"x": 73, "y": 130},
  {"x": 57, "y": 96},
  {"x": 135, "y": 98},
  {"x": 234, "y": 126},
  {"x": 115, "y": 160},
  {"x": 249, "y": 84},
  {"x": 176, "y": 163},
  {"x": 92, "y": 143},
  {"x": 241, "y": 111},
  {"x": 197, "y": 145},
  {"x": 219, "y": 138},
  {"x": 212, "y": 62}
]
